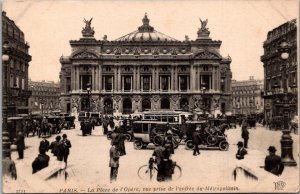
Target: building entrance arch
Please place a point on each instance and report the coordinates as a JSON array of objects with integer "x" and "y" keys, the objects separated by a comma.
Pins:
[
  {"x": 127, "y": 106},
  {"x": 146, "y": 104},
  {"x": 165, "y": 104}
]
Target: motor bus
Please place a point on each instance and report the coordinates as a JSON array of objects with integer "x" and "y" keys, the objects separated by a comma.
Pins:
[{"x": 171, "y": 117}]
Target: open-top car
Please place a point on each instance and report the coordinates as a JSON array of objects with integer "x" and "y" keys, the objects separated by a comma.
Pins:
[
  {"x": 146, "y": 132},
  {"x": 212, "y": 136}
]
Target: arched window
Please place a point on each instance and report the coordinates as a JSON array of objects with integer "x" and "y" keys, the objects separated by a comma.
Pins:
[
  {"x": 165, "y": 103},
  {"x": 146, "y": 104}
]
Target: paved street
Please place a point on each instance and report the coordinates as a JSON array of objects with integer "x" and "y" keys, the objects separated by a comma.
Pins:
[{"x": 88, "y": 164}]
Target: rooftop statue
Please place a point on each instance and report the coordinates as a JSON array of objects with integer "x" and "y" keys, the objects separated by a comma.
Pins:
[
  {"x": 87, "y": 23},
  {"x": 88, "y": 31},
  {"x": 203, "y": 32},
  {"x": 203, "y": 25}
]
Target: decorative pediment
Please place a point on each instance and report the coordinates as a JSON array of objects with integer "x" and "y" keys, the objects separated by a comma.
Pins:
[
  {"x": 85, "y": 55},
  {"x": 207, "y": 55}
]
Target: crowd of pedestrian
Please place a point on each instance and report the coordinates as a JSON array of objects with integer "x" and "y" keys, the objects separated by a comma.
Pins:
[{"x": 59, "y": 148}]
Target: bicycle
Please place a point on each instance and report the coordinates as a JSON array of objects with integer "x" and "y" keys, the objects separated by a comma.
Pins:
[{"x": 150, "y": 170}]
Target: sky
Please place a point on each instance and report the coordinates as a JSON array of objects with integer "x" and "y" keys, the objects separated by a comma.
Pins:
[{"x": 241, "y": 25}]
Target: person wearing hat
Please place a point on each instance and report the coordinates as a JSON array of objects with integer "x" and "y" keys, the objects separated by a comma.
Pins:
[
  {"x": 66, "y": 145},
  {"x": 273, "y": 162},
  {"x": 54, "y": 146},
  {"x": 44, "y": 144},
  {"x": 241, "y": 152},
  {"x": 114, "y": 156},
  {"x": 196, "y": 141},
  {"x": 20, "y": 142},
  {"x": 245, "y": 132},
  {"x": 158, "y": 155}
]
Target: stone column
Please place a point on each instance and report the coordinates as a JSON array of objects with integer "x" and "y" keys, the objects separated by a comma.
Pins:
[
  {"x": 192, "y": 80},
  {"x": 213, "y": 77},
  {"x": 176, "y": 78},
  {"x": 134, "y": 78},
  {"x": 77, "y": 77},
  {"x": 172, "y": 78},
  {"x": 153, "y": 79},
  {"x": 115, "y": 78},
  {"x": 138, "y": 86},
  {"x": 100, "y": 77},
  {"x": 73, "y": 77}
]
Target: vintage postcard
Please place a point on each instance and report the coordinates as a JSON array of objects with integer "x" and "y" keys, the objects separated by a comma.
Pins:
[{"x": 150, "y": 96}]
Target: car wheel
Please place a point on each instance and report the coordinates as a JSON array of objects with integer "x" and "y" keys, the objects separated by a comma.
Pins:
[
  {"x": 138, "y": 144},
  {"x": 158, "y": 140},
  {"x": 223, "y": 145},
  {"x": 189, "y": 145},
  {"x": 128, "y": 137},
  {"x": 211, "y": 140}
]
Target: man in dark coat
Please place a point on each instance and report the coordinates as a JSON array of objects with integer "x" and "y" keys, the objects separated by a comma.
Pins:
[
  {"x": 40, "y": 162},
  {"x": 105, "y": 126},
  {"x": 44, "y": 144},
  {"x": 245, "y": 133},
  {"x": 83, "y": 128},
  {"x": 121, "y": 144},
  {"x": 241, "y": 152},
  {"x": 114, "y": 156},
  {"x": 158, "y": 155},
  {"x": 196, "y": 141},
  {"x": 273, "y": 162},
  {"x": 66, "y": 145},
  {"x": 20, "y": 142},
  {"x": 54, "y": 146}
]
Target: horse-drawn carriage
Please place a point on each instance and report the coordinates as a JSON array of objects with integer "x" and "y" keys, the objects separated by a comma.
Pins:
[{"x": 212, "y": 136}]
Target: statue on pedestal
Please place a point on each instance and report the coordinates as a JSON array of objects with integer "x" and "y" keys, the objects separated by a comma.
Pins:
[
  {"x": 88, "y": 31},
  {"x": 203, "y": 32}
]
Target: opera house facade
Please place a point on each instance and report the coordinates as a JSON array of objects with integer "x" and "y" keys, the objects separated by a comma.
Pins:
[{"x": 145, "y": 70}]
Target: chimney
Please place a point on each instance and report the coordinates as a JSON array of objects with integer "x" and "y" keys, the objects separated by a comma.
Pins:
[{"x": 251, "y": 78}]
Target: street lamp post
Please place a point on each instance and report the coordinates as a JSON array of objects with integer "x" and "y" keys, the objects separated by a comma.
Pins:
[
  {"x": 5, "y": 134},
  {"x": 203, "y": 89},
  {"x": 286, "y": 139},
  {"x": 88, "y": 89}
]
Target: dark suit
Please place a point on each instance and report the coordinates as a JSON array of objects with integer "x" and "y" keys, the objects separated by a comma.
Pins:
[
  {"x": 159, "y": 157},
  {"x": 273, "y": 164},
  {"x": 66, "y": 145},
  {"x": 20, "y": 142},
  {"x": 245, "y": 136},
  {"x": 196, "y": 141},
  {"x": 44, "y": 145},
  {"x": 40, "y": 162}
]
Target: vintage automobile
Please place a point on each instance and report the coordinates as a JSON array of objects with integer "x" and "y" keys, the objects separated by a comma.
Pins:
[
  {"x": 55, "y": 124},
  {"x": 69, "y": 122},
  {"x": 14, "y": 124},
  {"x": 251, "y": 120},
  {"x": 97, "y": 117},
  {"x": 231, "y": 121},
  {"x": 125, "y": 127},
  {"x": 211, "y": 136},
  {"x": 146, "y": 132},
  {"x": 82, "y": 115}
]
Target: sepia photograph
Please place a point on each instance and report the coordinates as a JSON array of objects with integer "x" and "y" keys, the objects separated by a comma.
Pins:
[{"x": 150, "y": 96}]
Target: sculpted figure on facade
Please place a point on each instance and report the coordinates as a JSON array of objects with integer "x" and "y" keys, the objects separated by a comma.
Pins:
[{"x": 88, "y": 31}]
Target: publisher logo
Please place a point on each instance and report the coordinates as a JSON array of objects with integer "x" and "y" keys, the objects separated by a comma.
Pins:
[{"x": 279, "y": 185}]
